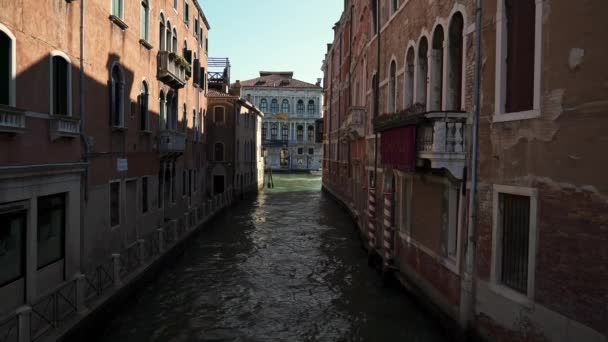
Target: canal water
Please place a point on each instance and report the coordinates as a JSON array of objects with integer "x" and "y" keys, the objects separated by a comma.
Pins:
[{"x": 285, "y": 265}]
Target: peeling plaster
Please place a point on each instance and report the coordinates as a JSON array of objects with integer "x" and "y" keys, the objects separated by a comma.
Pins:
[{"x": 531, "y": 179}]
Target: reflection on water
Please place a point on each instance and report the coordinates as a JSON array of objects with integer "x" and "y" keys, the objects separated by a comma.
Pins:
[{"x": 285, "y": 266}]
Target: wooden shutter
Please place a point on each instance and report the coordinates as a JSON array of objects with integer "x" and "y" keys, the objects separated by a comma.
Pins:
[
  {"x": 520, "y": 16},
  {"x": 197, "y": 72}
]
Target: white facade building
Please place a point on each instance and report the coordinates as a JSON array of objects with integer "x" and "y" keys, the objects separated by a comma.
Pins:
[{"x": 291, "y": 109}]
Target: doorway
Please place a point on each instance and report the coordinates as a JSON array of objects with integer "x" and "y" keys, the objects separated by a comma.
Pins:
[{"x": 218, "y": 185}]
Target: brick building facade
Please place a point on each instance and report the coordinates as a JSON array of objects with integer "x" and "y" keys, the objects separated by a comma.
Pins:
[{"x": 399, "y": 91}]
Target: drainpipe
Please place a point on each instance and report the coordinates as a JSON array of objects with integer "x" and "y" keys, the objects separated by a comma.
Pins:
[
  {"x": 467, "y": 309},
  {"x": 83, "y": 138}
]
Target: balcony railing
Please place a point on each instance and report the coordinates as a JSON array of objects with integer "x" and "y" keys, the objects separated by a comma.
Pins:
[
  {"x": 64, "y": 127},
  {"x": 170, "y": 70},
  {"x": 355, "y": 122},
  {"x": 440, "y": 140},
  {"x": 172, "y": 142},
  {"x": 12, "y": 120}
]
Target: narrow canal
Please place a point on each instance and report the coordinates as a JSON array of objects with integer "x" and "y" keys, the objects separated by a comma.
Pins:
[{"x": 286, "y": 265}]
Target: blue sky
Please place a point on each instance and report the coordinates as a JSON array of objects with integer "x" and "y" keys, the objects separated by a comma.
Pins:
[{"x": 283, "y": 35}]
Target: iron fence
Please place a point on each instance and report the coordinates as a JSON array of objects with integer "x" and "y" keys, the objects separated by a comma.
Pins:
[
  {"x": 49, "y": 311},
  {"x": 99, "y": 280},
  {"x": 151, "y": 244},
  {"x": 9, "y": 329},
  {"x": 129, "y": 259}
]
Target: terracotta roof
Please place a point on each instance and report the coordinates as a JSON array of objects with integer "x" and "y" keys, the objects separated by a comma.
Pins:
[
  {"x": 277, "y": 79},
  {"x": 215, "y": 93}
]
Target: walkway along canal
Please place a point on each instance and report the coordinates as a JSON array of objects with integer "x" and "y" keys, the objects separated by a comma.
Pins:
[{"x": 286, "y": 265}]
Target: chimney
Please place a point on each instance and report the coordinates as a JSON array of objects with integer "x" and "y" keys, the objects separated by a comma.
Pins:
[
  {"x": 319, "y": 82},
  {"x": 235, "y": 90}
]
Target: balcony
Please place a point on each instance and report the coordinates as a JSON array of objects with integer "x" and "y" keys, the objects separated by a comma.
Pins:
[
  {"x": 275, "y": 143},
  {"x": 12, "y": 120},
  {"x": 171, "y": 69},
  {"x": 354, "y": 124},
  {"x": 64, "y": 127},
  {"x": 440, "y": 141},
  {"x": 171, "y": 142}
]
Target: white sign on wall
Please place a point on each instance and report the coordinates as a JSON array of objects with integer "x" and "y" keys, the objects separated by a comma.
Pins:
[{"x": 122, "y": 164}]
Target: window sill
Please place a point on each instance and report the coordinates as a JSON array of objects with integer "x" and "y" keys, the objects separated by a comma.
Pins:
[
  {"x": 145, "y": 44},
  {"x": 512, "y": 295},
  {"x": 119, "y": 129},
  {"x": 517, "y": 116},
  {"x": 116, "y": 20},
  {"x": 145, "y": 132}
]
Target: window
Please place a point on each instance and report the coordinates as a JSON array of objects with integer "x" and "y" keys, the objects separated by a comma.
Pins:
[
  {"x": 394, "y": 6},
  {"x": 436, "y": 88},
  {"x": 514, "y": 238},
  {"x": 300, "y": 107},
  {"x": 422, "y": 72},
  {"x": 61, "y": 86},
  {"x": 12, "y": 246},
  {"x": 175, "y": 5},
  {"x": 117, "y": 97},
  {"x": 144, "y": 123},
  {"x": 163, "y": 111},
  {"x": 7, "y": 86},
  {"x": 311, "y": 133},
  {"x": 285, "y": 106},
  {"x": 408, "y": 86},
  {"x": 169, "y": 37},
  {"x": 114, "y": 204},
  {"x": 174, "y": 47},
  {"x": 392, "y": 93},
  {"x": 311, "y": 107},
  {"x": 300, "y": 133},
  {"x": 311, "y": 151},
  {"x": 144, "y": 195},
  {"x": 218, "y": 115},
  {"x": 273, "y": 131},
  {"x": 454, "y": 74},
  {"x": 186, "y": 12},
  {"x": 374, "y": 17},
  {"x": 264, "y": 131},
  {"x": 285, "y": 132},
  {"x": 300, "y": 151},
  {"x": 518, "y": 57},
  {"x": 117, "y": 8},
  {"x": 196, "y": 28},
  {"x": 274, "y": 106},
  {"x": 263, "y": 105},
  {"x": 219, "y": 152},
  {"x": 162, "y": 46},
  {"x": 145, "y": 20}
]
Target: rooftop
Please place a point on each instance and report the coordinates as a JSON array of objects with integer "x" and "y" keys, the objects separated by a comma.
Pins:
[{"x": 278, "y": 79}]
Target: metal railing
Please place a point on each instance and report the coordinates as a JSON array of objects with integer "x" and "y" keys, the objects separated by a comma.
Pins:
[
  {"x": 130, "y": 259},
  {"x": 49, "y": 311},
  {"x": 99, "y": 280}
]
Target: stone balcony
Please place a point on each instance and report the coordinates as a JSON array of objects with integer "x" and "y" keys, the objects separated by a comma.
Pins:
[
  {"x": 171, "y": 142},
  {"x": 170, "y": 70},
  {"x": 441, "y": 141},
  {"x": 12, "y": 120},
  {"x": 354, "y": 125},
  {"x": 64, "y": 127}
]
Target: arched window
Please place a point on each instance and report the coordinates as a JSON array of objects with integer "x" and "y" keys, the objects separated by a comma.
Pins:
[
  {"x": 61, "y": 85},
  {"x": 436, "y": 89},
  {"x": 184, "y": 118},
  {"x": 218, "y": 152},
  {"x": 7, "y": 80},
  {"x": 454, "y": 75},
  {"x": 374, "y": 17},
  {"x": 174, "y": 48},
  {"x": 168, "y": 39},
  {"x": 285, "y": 132},
  {"x": 273, "y": 131},
  {"x": 285, "y": 106},
  {"x": 263, "y": 105},
  {"x": 300, "y": 107},
  {"x": 144, "y": 120},
  {"x": 274, "y": 106},
  {"x": 408, "y": 86},
  {"x": 422, "y": 68},
  {"x": 219, "y": 115},
  {"x": 162, "y": 46},
  {"x": 311, "y": 107},
  {"x": 300, "y": 133},
  {"x": 172, "y": 110},
  {"x": 163, "y": 111},
  {"x": 117, "y": 100},
  {"x": 392, "y": 92},
  {"x": 311, "y": 133},
  {"x": 145, "y": 20}
]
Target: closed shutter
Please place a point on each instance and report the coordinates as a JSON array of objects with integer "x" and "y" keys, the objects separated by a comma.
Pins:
[
  {"x": 520, "y": 55},
  {"x": 196, "y": 71}
]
